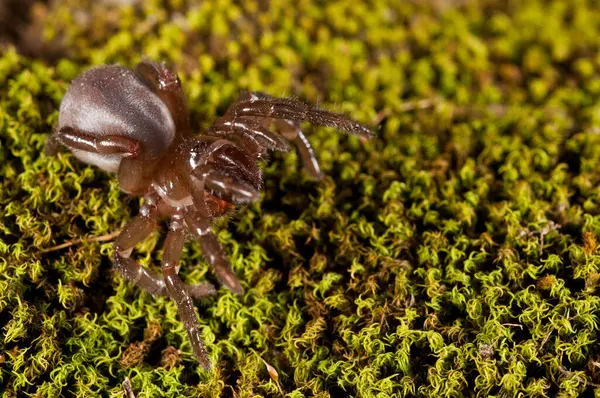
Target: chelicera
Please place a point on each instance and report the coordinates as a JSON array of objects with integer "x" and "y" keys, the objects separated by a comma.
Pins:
[{"x": 135, "y": 123}]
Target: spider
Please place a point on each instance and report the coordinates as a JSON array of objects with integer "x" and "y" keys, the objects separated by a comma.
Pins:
[{"x": 134, "y": 122}]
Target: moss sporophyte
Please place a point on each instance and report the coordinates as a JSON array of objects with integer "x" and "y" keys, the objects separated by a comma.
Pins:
[{"x": 453, "y": 255}]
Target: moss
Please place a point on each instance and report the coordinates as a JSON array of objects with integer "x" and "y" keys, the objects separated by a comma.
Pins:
[{"x": 454, "y": 255}]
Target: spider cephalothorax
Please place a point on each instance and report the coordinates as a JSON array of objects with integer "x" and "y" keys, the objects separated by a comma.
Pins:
[{"x": 135, "y": 123}]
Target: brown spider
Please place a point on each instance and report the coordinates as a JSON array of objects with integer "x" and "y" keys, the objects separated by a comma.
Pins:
[{"x": 135, "y": 123}]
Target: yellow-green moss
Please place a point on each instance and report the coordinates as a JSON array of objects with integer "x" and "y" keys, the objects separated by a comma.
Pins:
[{"x": 454, "y": 255}]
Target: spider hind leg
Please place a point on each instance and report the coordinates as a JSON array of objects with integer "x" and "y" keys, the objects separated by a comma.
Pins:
[
  {"x": 213, "y": 252},
  {"x": 177, "y": 289},
  {"x": 135, "y": 231},
  {"x": 169, "y": 285}
]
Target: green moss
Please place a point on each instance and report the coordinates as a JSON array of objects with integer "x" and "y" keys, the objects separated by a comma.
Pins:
[{"x": 454, "y": 255}]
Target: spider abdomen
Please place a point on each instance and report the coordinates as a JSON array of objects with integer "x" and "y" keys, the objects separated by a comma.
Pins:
[{"x": 114, "y": 101}]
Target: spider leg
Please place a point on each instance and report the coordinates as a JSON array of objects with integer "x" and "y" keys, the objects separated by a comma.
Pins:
[
  {"x": 292, "y": 131},
  {"x": 177, "y": 290},
  {"x": 167, "y": 86},
  {"x": 84, "y": 141},
  {"x": 224, "y": 186},
  {"x": 249, "y": 119},
  {"x": 213, "y": 251},
  {"x": 131, "y": 174},
  {"x": 251, "y": 133},
  {"x": 265, "y": 106},
  {"x": 134, "y": 232}
]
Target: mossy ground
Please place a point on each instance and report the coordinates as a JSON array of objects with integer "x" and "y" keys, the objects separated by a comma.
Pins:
[{"x": 454, "y": 255}]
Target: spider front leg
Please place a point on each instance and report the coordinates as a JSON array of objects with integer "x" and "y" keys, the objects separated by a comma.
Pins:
[
  {"x": 256, "y": 137},
  {"x": 261, "y": 105},
  {"x": 177, "y": 290},
  {"x": 248, "y": 120}
]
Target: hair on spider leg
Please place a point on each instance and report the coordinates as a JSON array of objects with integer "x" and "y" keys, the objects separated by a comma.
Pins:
[{"x": 135, "y": 123}]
